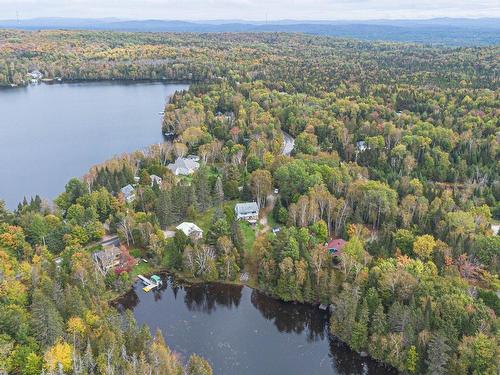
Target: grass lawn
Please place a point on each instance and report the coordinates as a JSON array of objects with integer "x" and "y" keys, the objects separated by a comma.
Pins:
[
  {"x": 204, "y": 220},
  {"x": 248, "y": 235},
  {"x": 140, "y": 269}
]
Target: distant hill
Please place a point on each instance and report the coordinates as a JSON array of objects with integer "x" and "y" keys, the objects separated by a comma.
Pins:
[{"x": 448, "y": 31}]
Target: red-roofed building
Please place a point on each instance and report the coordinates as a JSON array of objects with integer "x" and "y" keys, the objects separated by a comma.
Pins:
[{"x": 335, "y": 246}]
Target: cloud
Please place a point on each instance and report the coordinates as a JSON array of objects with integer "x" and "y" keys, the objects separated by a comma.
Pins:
[{"x": 250, "y": 9}]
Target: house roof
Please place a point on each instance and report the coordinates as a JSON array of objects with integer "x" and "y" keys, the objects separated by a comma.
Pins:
[
  {"x": 188, "y": 228},
  {"x": 245, "y": 208},
  {"x": 336, "y": 243},
  {"x": 108, "y": 254},
  {"x": 183, "y": 166},
  {"x": 127, "y": 190}
]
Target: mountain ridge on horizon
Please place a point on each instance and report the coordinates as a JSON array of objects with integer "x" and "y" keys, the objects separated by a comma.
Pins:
[{"x": 447, "y": 31}]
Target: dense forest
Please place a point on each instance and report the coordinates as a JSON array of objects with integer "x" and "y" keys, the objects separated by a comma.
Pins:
[{"x": 396, "y": 152}]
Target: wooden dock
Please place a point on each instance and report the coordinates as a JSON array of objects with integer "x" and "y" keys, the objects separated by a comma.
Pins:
[{"x": 150, "y": 284}]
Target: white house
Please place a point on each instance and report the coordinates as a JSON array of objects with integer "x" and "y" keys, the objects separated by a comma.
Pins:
[
  {"x": 128, "y": 192},
  {"x": 247, "y": 211},
  {"x": 183, "y": 166},
  {"x": 190, "y": 230}
]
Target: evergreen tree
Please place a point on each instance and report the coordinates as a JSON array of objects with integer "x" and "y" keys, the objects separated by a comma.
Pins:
[{"x": 46, "y": 321}]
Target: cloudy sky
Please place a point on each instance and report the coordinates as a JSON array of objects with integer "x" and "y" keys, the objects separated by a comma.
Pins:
[{"x": 250, "y": 9}]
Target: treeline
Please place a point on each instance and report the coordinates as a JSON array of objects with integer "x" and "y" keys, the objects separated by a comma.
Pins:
[{"x": 292, "y": 62}]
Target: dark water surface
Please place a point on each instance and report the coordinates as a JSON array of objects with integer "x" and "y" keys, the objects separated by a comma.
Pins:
[
  {"x": 242, "y": 331},
  {"x": 50, "y": 133}
]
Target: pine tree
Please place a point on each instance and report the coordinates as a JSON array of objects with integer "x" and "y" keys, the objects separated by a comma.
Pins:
[
  {"x": 359, "y": 337},
  {"x": 219, "y": 192},
  {"x": 379, "y": 321},
  {"x": 47, "y": 323},
  {"x": 438, "y": 355},
  {"x": 163, "y": 209},
  {"x": 202, "y": 188}
]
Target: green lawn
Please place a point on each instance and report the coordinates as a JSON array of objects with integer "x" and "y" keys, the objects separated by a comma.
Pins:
[
  {"x": 140, "y": 269},
  {"x": 248, "y": 235}
]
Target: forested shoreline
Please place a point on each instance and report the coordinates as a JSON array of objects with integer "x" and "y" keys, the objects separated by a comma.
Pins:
[{"x": 396, "y": 152}]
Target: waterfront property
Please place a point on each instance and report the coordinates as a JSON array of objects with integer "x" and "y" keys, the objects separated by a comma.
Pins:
[
  {"x": 107, "y": 259},
  {"x": 183, "y": 166},
  {"x": 191, "y": 230},
  {"x": 128, "y": 193},
  {"x": 248, "y": 211}
]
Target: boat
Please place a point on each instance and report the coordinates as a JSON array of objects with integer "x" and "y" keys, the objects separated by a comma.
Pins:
[{"x": 161, "y": 113}]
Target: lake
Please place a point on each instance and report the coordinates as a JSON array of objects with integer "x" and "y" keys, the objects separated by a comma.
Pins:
[
  {"x": 50, "y": 133},
  {"x": 242, "y": 331}
]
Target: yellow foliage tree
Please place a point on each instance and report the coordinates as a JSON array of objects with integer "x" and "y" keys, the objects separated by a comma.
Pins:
[
  {"x": 423, "y": 246},
  {"x": 59, "y": 354}
]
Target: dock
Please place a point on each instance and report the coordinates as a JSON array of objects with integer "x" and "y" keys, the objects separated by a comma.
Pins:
[{"x": 150, "y": 284}]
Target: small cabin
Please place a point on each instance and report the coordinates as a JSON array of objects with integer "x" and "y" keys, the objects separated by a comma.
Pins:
[
  {"x": 128, "y": 192},
  {"x": 335, "y": 246}
]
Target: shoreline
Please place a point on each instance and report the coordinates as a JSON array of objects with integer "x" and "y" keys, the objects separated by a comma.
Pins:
[
  {"x": 196, "y": 281},
  {"x": 53, "y": 81}
]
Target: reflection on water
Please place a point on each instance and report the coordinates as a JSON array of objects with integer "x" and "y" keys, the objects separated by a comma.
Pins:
[
  {"x": 206, "y": 297},
  {"x": 288, "y": 317},
  {"x": 243, "y": 331}
]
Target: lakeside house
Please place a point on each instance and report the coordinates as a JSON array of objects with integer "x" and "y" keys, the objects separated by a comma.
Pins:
[
  {"x": 248, "y": 211},
  {"x": 155, "y": 180},
  {"x": 107, "y": 259},
  {"x": 190, "y": 230},
  {"x": 335, "y": 246},
  {"x": 128, "y": 192},
  {"x": 183, "y": 166}
]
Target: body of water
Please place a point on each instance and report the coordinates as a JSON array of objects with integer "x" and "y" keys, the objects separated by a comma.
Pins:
[
  {"x": 51, "y": 133},
  {"x": 242, "y": 331}
]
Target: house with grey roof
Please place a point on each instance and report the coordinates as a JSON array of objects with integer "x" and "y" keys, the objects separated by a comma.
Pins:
[
  {"x": 128, "y": 192},
  {"x": 248, "y": 211},
  {"x": 107, "y": 258},
  {"x": 183, "y": 166}
]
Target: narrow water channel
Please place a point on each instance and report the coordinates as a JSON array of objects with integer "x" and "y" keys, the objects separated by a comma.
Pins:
[{"x": 242, "y": 331}]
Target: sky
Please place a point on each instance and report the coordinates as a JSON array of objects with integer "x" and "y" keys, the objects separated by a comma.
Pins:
[{"x": 250, "y": 9}]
